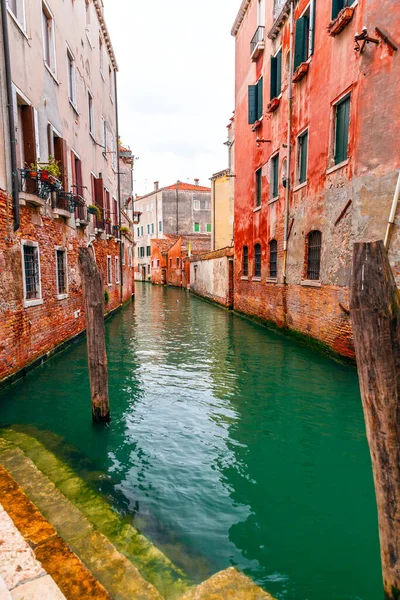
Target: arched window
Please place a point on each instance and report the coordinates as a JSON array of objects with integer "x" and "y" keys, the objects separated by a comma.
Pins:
[
  {"x": 273, "y": 259},
  {"x": 245, "y": 259},
  {"x": 257, "y": 260},
  {"x": 314, "y": 255}
]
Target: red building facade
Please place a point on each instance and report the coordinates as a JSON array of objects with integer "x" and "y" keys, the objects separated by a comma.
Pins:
[{"x": 316, "y": 156}]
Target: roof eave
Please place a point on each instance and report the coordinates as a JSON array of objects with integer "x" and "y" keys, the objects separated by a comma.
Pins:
[
  {"x": 240, "y": 16},
  {"x": 99, "y": 9}
]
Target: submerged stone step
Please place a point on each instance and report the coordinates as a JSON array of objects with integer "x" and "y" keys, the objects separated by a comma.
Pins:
[
  {"x": 227, "y": 585},
  {"x": 152, "y": 564}
]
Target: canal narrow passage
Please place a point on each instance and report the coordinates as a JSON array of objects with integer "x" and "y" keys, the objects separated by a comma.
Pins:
[{"x": 229, "y": 445}]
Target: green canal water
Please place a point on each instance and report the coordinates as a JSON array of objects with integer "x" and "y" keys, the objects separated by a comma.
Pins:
[{"x": 229, "y": 445}]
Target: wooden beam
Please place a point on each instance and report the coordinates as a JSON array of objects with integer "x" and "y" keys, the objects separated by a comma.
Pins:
[
  {"x": 93, "y": 296},
  {"x": 375, "y": 315}
]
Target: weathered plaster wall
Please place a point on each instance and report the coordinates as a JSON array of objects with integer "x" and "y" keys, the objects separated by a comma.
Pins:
[
  {"x": 178, "y": 218},
  {"x": 211, "y": 276},
  {"x": 368, "y": 178},
  {"x": 222, "y": 207}
]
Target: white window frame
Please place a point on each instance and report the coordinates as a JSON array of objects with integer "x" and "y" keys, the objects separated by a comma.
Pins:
[
  {"x": 271, "y": 177},
  {"x": 298, "y": 157},
  {"x": 71, "y": 84},
  {"x": 109, "y": 270},
  {"x": 52, "y": 67},
  {"x": 20, "y": 17},
  {"x": 91, "y": 113},
  {"x": 116, "y": 263},
  {"x": 123, "y": 253},
  {"x": 196, "y": 205},
  {"x": 36, "y": 301},
  {"x": 104, "y": 136},
  {"x": 65, "y": 295}
]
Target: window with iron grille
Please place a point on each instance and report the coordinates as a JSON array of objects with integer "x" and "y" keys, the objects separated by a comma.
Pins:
[
  {"x": 302, "y": 151},
  {"x": 258, "y": 188},
  {"x": 116, "y": 269},
  {"x": 109, "y": 270},
  {"x": 273, "y": 259},
  {"x": 61, "y": 257},
  {"x": 257, "y": 260},
  {"x": 31, "y": 273},
  {"x": 314, "y": 255},
  {"x": 275, "y": 176},
  {"x": 245, "y": 265}
]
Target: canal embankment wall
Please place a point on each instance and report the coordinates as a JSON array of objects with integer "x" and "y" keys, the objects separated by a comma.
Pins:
[{"x": 211, "y": 276}]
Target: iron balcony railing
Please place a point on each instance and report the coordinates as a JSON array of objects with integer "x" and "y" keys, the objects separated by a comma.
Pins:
[{"x": 258, "y": 37}]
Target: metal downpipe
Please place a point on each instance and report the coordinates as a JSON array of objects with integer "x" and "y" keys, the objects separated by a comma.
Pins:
[{"x": 121, "y": 270}]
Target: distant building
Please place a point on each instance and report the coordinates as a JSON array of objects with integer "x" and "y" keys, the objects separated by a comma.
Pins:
[
  {"x": 222, "y": 198},
  {"x": 170, "y": 258},
  {"x": 179, "y": 209}
]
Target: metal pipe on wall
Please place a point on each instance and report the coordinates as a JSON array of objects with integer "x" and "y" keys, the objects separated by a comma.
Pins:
[
  {"x": 121, "y": 270},
  {"x": 289, "y": 145},
  {"x": 11, "y": 122}
]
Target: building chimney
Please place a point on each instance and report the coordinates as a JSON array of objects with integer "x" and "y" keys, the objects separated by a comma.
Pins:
[
  {"x": 196, "y": 181},
  {"x": 156, "y": 185}
]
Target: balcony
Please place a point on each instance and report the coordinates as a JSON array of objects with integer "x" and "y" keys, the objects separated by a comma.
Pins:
[
  {"x": 257, "y": 44},
  {"x": 63, "y": 205},
  {"x": 81, "y": 212},
  {"x": 136, "y": 218}
]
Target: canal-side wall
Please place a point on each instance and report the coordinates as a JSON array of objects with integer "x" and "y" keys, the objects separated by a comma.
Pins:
[
  {"x": 28, "y": 332},
  {"x": 211, "y": 276}
]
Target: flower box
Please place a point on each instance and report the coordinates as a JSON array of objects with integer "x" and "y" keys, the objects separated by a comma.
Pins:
[
  {"x": 300, "y": 72},
  {"x": 273, "y": 105},
  {"x": 343, "y": 18}
]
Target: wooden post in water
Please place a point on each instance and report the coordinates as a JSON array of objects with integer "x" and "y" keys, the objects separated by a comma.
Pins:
[
  {"x": 93, "y": 296},
  {"x": 375, "y": 315}
]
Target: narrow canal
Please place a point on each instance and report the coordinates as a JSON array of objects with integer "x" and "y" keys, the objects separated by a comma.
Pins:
[{"x": 229, "y": 444}]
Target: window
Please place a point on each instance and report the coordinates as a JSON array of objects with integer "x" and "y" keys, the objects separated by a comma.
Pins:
[
  {"x": 104, "y": 136},
  {"x": 141, "y": 230},
  {"x": 71, "y": 77},
  {"x": 170, "y": 262},
  {"x": 302, "y": 152},
  {"x": 276, "y": 75},
  {"x": 258, "y": 195},
  {"x": 196, "y": 205},
  {"x": 159, "y": 225},
  {"x": 91, "y": 114},
  {"x": 261, "y": 13},
  {"x": 208, "y": 227},
  {"x": 342, "y": 120},
  {"x": 148, "y": 228},
  {"x": 101, "y": 54},
  {"x": 110, "y": 82},
  {"x": 17, "y": 7},
  {"x": 338, "y": 5},
  {"x": 48, "y": 38},
  {"x": 123, "y": 253},
  {"x": 61, "y": 265},
  {"x": 141, "y": 251},
  {"x": 27, "y": 136},
  {"x": 257, "y": 260},
  {"x": 196, "y": 227},
  {"x": 158, "y": 263},
  {"x": 116, "y": 269},
  {"x": 152, "y": 228},
  {"x": 304, "y": 39},
  {"x": 245, "y": 261},
  {"x": 112, "y": 150},
  {"x": 76, "y": 168},
  {"x": 255, "y": 98},
  {"x": 148, "y": 250},
  {"x": 87, "y": 8},
  {"x": 138, "y": 231},
  {"x": 177, "y": 262},
  {"x": 314, "y": 255},
  {"x": 275, "y": 176},
  {"x": 31, "y": 273},
  {"x": 273, "y": 259},
  {"x": 109, "y": 271}
]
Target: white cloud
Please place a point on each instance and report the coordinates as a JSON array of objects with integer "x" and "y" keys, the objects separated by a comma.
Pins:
[{"x": 176, "y": 85}]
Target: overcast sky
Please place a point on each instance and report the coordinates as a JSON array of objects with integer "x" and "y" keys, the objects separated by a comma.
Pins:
[{"x": 176, "y": 85}]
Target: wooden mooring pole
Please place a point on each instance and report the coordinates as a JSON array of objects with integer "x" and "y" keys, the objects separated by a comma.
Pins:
[
  {"x": 93, "y": 296},
  {"x": 375, "y": 315}
]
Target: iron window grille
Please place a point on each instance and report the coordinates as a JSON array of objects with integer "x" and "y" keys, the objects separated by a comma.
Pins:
[
  {"x": 314, "y": 255},
  {"x": 275, "y": 176},
  {"x": 245, "y": 261},
  {"x": 61, "y": 272},
  {"x": 31, "y": 269},
  {"x": 273, "y": 259},
  {"x": 257, "y": 260}
]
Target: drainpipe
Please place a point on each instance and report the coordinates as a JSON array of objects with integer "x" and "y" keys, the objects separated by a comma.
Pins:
[
  {"x": 289, "y": 145},
  {"x": 213, "y": 229},
  {"x": 11, "y": 123},
  {"x": 392, "y": 213},
  {"x": 121, "y": 270}
]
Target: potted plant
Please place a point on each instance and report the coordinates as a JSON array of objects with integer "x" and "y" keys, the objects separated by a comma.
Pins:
[
  {"x": 30, "y": 172},
  {"x": 124, "y": 229},
  {"x": 107, "y": 220},
  {"x": 94, "y": 210}
]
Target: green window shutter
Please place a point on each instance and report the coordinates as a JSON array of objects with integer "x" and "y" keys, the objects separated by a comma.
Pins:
[
  {"x": 342, "y": 130},
  {"x": 300, "y": 49},
  {"x": 208, "y": 227},
  {"x": 252, "y": 104},
  {"x": 275, "y": 176},
  {"x": 274, "y": 65},
  {"x": 279, "y": 73},
  {"x": 303, "y": 148},
  {"x": 337, "y": 6},
  {"x": 260, "y": 89},
  {"x": 197, "y": 227},
  {"x": 258, "y": 187}
]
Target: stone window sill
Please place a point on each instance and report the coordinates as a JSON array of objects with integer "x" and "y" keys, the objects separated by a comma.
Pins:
[
  {"x": 338, "y": 166},
  {"x": 272, "y": 280},
  {"x": 17, "y": 23},
  {"x": 62, "y": 296},
  {"x": 300, "y": 186},
  {"x": 244, "y": 278},
  {"x": 257, "y": 208},
  {"x": 273, "y": 200},
  {"x": 51, "y": 73},
  {"x": 256, "y": 279},
  {"x": 30, "y": 303},
  {"x": 311, "y": 283},
  {"x": 73, "y": 104},
  {"x": 109, "y": 284}
]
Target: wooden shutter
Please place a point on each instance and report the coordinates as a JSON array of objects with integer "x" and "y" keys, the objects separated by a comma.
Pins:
[
  {"x": 342, "y": 130},
  {"x": 301, "y": 41},
  {"x": 28, "y": 126},
  {"x": 73, "y": 173},
  {"x": 61, "y": 156},
  {"x": 337, "y": 6},
  {"x": 260, "y": 89},
  {"x": 252, "y": 104},
  {"x": 99, "y": 191},
  {"x": 279, "y": 73},
  {"x": 274, "y": 65},
  {"x": 79, "y": 184},
  {"x": 303, "y": 141}
]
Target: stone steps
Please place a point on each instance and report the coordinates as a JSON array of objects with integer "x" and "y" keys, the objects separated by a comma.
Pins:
[{"x": 73, "y": 528}]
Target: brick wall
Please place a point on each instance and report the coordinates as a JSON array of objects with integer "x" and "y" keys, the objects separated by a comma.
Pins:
[{"x": 26, "y": 334}]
